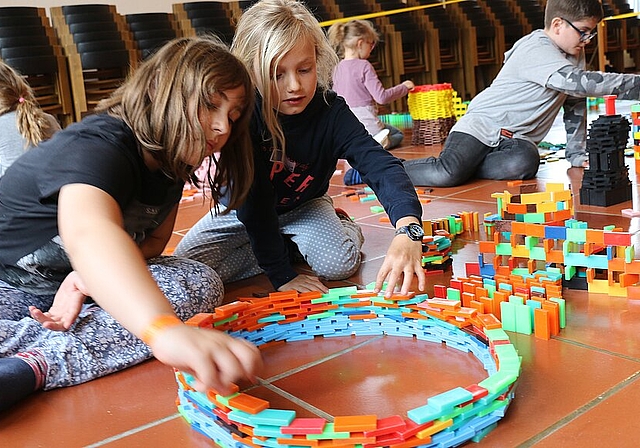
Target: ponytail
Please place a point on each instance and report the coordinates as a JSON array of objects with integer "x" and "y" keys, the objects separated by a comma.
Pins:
[{"x": 16, "y": 95}]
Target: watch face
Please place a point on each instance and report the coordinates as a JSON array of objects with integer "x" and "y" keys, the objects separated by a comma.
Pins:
[{"x": 415, "y": 231}]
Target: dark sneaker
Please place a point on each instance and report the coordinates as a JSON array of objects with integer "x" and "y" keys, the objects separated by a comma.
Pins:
[{"x": 352, "y": 177}]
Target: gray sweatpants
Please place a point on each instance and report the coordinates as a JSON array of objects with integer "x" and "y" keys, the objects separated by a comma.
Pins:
[
  {"x": 330, "y": 245},
  {"x": 97, "y": 344}
]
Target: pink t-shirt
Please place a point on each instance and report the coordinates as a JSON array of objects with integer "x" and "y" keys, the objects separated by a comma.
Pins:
[{"x": 357, "y": 82}]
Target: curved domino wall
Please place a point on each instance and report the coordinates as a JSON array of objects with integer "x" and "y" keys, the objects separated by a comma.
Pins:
[{"x": 447, "y": 419}]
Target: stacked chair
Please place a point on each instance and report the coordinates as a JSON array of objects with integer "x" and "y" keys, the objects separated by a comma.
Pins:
[
  {"x": 151, "y": 31},
  {"x": 407, "y": 47},
  {"x": 29, "y": 44},
  {"x": 82, "y": 53},
  {"x": 445, "y": 38},
  {"x": 513, "y": 29},
  {"x": 320, "y": 10},
  {"x": 196, "y": 18},
  {"x": 100, "y": 51},
  {"x": 620, "y": 38},
  {"x": 483, "y": 40}
]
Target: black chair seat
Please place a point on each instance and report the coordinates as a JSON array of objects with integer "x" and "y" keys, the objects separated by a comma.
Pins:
[
  {"x": 33, "y": 65},
  {"x": 13, "y": 31},
  {"x": 26, "y": 51},
  {"x": 154, "y": 34},
  {"x": 22, "y": 21},
  {"x": 89, "y": 27},
  {"x": 150, "y": 25},
  {"x": 85, "y": 9},
  {"x": 100, "y": 45},
  {"x": 23, "y": 41},
  {"x": 88, "y": 17},
  {"x": 96, "y": 35},
  {"x": 148, "y": 17},
  {"x": 19, "y": 11},
  {"x": 104, "y": 59}
]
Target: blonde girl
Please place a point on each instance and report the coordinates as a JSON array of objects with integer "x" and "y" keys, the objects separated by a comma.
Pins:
[
  {"x": 22, "y": 123},
  {"x": 356, "y": 80},
  {"x": 299, "y": 130},
  {"x": 87, "y": 214}
]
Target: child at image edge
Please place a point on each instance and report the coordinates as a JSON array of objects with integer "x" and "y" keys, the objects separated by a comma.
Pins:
[
  {"x": 544, "y": 71},
  {"x": 102, "y": 196},
  {"x": 22, "y": 123},
  {"x": 356, "y": 81},
  {"x": 299, "y": 130}
]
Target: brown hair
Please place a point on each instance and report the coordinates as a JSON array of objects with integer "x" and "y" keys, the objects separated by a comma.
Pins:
[
  {"x": 572, "y": 10},
  {"x": 16, "y": 95},
  {"x": 157, "y": 103}
]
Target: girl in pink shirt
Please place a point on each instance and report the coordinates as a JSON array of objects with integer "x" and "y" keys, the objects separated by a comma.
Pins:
[{"x": 356, "y": 80}]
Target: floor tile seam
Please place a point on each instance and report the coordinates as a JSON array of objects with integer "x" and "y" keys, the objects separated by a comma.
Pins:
[
  {"x": 303, "y": 404},
  {"x": 271, "y": 379},
  {"x": 133, "y": 431},
  {"x": 591, "y": 404},
  {"x": 590, "y": 212},
  {"x": 451, "y": 198},
  {"x": 597, "y": 349},
  {"x": 464, "y": 190},
  {"x": 370, "y": 259}
]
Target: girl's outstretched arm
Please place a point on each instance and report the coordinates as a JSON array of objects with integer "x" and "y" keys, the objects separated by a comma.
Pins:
[{"x": 114, "y": 269}]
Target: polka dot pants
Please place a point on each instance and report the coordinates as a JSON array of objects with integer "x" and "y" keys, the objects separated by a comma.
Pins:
[{"x": 330, "y": 245}]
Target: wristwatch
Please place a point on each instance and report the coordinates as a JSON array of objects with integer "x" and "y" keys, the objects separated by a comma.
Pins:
[{"x": 413, "y": 231}]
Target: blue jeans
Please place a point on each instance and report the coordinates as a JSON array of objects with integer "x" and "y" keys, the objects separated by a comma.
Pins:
[
  {"x": 395, "y": 136},
  {"x": 464, "y": 157}
]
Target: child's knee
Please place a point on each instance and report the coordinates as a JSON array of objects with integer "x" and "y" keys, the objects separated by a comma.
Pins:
[{"x": 338, "y": 268}]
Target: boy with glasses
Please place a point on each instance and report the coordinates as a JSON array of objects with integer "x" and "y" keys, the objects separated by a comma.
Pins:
[{"x": 543, "y": 72}]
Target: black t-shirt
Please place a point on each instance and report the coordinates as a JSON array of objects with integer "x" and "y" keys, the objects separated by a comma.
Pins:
[{"x": 100, "y": 151}]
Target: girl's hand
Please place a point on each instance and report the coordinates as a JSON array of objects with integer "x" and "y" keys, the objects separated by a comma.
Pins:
[
  {"x": 402, "y": 262},
  {"x": 304, "y": 283},
  {"x": 215, "y": 359},
  {"x": 409, "y": 84},
  {"x": 66, "y": 306}
]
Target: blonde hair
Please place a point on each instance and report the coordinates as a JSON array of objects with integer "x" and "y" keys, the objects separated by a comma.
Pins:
[
  {"x": 265, "y": 33},
  {"x": 16, "y": 95},
  {"x": 343, "y": 35},
  {"x": 157, "y": 103}
]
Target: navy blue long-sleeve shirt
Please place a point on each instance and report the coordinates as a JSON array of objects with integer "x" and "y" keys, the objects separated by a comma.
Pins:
[{"x": 315, "y": 139}]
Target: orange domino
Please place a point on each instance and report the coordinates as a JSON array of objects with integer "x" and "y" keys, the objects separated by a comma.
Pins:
[
  {"x": 467, "y": 297},
  {"x": 489, "y": 321},
  {"x": 248, "y": 403},
  {"x": 355, "y": 423},
  {"x": 541, "y": 326},
  {"x": 478, "y": 306},
  {"x": 554, "y": 318},
  {"x": 444, "y": 304}
]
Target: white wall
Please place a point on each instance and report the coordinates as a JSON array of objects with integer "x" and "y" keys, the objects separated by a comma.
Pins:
[{"x": 122, "y": 6}]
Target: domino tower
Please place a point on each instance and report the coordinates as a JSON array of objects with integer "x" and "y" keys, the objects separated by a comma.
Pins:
[{"x": 606, "y": 181}]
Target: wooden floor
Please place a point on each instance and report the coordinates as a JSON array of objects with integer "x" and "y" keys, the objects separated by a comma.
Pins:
[{"x": 579, "y": 389}]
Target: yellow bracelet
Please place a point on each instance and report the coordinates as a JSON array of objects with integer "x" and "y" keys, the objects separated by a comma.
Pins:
[{"x": 159, "y": 324}]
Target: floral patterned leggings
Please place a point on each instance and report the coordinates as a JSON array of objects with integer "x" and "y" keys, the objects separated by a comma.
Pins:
[{"x": 97, "y": 344}]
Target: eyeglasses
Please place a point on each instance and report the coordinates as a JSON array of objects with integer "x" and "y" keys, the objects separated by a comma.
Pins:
[{"x": 584, "y": 36}]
